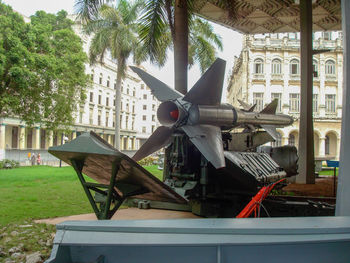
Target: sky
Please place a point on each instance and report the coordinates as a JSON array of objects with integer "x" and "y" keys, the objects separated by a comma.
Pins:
[{"x": 232, "y": 41}]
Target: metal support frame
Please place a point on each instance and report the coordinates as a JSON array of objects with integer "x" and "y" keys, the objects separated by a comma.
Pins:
[
  {"x": 105, "y": 211},
  {"x": 306, "y": 129}
]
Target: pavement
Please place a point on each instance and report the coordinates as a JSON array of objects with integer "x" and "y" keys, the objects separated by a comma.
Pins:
[{"x": 125, "y": 214}]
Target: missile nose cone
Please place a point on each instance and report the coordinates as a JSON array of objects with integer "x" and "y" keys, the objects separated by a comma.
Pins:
[{"x": 174, "y": 114}]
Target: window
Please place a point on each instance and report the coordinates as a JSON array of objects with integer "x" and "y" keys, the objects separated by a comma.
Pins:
[
  {"x": 143, "y": 129},
  {"x": 91, "y": 97},
  {"x": 91, "y": 116},
  {"x": 106, "y": 121},
  {"x": 121, "y": 105},
  {"x": 279, "y": 97},
  {"x": 113, "y": 124},
  {"x": 294, "y": 67},
  {"x": 327, "y": 35},
  {"x": 258, "y": 66},
  {"x": 127, "y": 107},
  {"x": 99, "y": 98},
  {"x": 126, "y": 122},
  {"x": 315, "y": 102},
  {"x": 144, "y": 117},
  {"x": 294, "y": 102},
  {"x": 133, "y": 108},
  {"x": 153, "y": 128},
  {"x": 80, "y": 116},
  {"x": 145, "y": 96},
  {"x": 115, "y": 84},
  {"x": 292, "y": 35},
  {"x": 114, "y": 103},
  {"x": 142, "y": 86},
  {"x": 134, "y": 93},
  {"x": 153, "y": 107},
  {"x": 133, "y": 124},
  {"x": 330, "y": 67},
  {"x": 92, "y": 75},
  {"x": 330, "y": 103},
  {"x": 108, "y": 81},
  {"x": 144, "y": 107},
  {"x": 326, "y": 146},
  {"x": 101, "y": 78},
  {"x": 315, "y": 68},
  {"x": 291, "y": 140},
  {"x": 258, "y": 99},
  {"x": 99, "y": 118},
  {"x": 153, "y": 117},
  {"x": 107, "y": 101},
  {"x": 276, "y": 66}
]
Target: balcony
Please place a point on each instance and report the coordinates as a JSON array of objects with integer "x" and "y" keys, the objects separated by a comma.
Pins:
[
  {"x": 276, "y": 76},
  {"x": 259, "y": 76}
]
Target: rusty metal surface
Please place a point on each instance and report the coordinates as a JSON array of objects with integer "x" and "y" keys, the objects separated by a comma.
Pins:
[{"x": 98, "y": 157}]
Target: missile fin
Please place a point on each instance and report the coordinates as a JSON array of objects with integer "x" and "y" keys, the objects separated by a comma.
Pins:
[
  {"x": 271, "y": 129},
  {"x": 271, "y": 108},
  {"x": 159, "y": 89},
  {"x": 207, "y": 139},
  {"x": 245, "y": 106},
  {"x": 159, "y": 139},
  {"x": 208, "y": 89},
  {"x": 252, "y": 108}
]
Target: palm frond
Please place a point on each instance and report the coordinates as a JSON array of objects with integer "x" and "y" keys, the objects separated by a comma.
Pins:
[
  {"x": 153, "y": 27},
  {"x": 87, "y": 10}
]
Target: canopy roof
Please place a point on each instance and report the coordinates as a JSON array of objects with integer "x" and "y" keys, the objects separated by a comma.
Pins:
[{"x": 269, "y": 16}]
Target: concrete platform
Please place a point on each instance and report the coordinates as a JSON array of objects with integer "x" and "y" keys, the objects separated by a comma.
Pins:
[{"x": 124, "y": 214}]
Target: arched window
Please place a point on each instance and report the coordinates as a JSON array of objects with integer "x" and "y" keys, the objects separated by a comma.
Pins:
[
  {"x": 330, "y": 67},
  {"x": 291, "y": 140},
  {"x": 108, "y": 81},
  {"x": 101, "y": 78},
  {"x": 92, "y": 75},
  {"x": 276, "y": 66},
  {"x": 258, "y": 66},
  {"x": 315, "y": 68},
  {"x": 326, "y": 146},
  {"x": 294, "y": 67}
]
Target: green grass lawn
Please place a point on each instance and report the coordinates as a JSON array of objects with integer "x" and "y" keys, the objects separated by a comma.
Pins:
[{"x": 36, "y": 192}]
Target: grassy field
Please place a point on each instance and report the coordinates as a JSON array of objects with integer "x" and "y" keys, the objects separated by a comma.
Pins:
[{"x": 35, "y": 192}]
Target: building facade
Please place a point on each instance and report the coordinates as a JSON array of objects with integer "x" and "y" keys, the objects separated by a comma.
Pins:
[
  {"x": 268, "y": 68},
  {"x": 137, "y": 119}
]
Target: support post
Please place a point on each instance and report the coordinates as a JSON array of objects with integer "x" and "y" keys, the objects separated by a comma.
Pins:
[
  {"x": 306, "y": 130},
  {"x": 106, "y": 211},
  {"x": 343, "y": 193},
  {"x": 78, "y": 167},
  {"x": 181, "y": 45}
]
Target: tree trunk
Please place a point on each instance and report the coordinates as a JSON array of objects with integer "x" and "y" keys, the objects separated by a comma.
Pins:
[
  {"x": 117, "y": 111},
  {"x": 181, "y": 45}
]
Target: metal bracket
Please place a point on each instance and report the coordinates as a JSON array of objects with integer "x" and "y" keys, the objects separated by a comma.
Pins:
[{"x": 105, "y": 209}]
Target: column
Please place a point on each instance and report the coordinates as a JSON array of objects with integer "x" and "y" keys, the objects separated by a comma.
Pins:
[
  {"x": 127, "y": 146},
  {"x": 50, "y": 138},
  {"x": 22, "y": 136},
  {"x": 322, "y": 146},
  {"x": 2, "y": 140},
  {"x": 284, "y": 140},
  {"x": 36, "y": 144},
  {"x": 343, "y": 193},
  {"x": 122, "y": 142},
  {"x": 306, "y": 130}
]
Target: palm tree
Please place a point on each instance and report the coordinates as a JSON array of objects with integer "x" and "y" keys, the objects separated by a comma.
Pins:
[
  {"x": 158, "y": 26},
  {"x": 114, "y": 31}
]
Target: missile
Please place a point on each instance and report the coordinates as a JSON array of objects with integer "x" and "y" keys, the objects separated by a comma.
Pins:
[{"x": 202, "y": 116}]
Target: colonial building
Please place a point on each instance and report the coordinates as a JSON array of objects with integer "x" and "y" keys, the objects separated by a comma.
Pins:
[
  {"x": 268, "y": 68},
  {"x": 137, "y": 120}
]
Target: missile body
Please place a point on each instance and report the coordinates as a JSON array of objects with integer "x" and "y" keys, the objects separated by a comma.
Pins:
[
  {"x": 202, "y": 116},
  {"x": 180, "y": 113}
]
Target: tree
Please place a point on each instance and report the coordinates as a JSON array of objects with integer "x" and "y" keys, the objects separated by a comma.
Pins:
[
  {"x": 114, "y": 32},
  {"x": 169, "y": 18},
  {"x": 42, "y": 66}
]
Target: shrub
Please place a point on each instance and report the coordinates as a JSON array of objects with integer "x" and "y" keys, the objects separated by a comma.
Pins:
[
  {"x": 150, "y": 160},
  {"x": 8, "y": 164}
]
